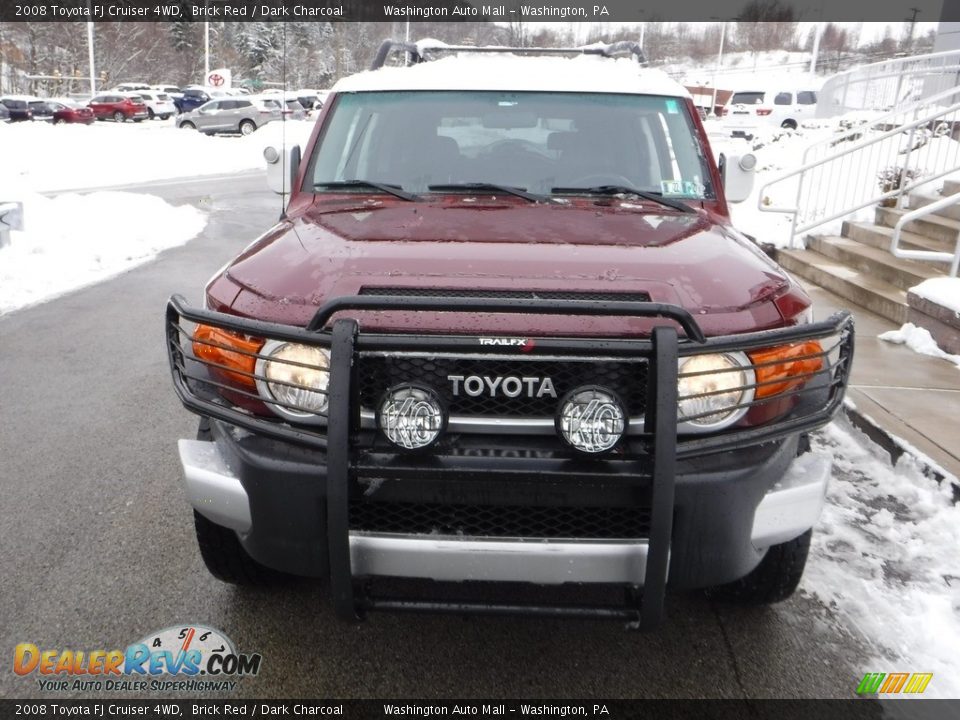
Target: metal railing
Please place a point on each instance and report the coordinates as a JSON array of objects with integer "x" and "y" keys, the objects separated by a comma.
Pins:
[
  {"x": 889, "y": 84},
  {"x": 11, "y": 218},
  {"x": 873, "y": 161},
  {"x": 952, "y": 258}
]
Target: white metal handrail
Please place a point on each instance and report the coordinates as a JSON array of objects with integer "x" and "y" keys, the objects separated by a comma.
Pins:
[
  {"x": 895, "y": 249},
  {"x": 906, "y": 152},
  {"x": 889, "y": 84},
  {"x": 11, "y": 218}
]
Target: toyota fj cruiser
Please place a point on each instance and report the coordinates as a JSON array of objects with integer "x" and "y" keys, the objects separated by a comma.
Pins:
[{"x": 504, "y": 331}]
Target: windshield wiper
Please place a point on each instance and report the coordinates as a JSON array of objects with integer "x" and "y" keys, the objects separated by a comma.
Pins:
[
  {"x": 650, "y": 195},
  {"x": 389, "y": 188},
  {"x": 481, "y": 186}
]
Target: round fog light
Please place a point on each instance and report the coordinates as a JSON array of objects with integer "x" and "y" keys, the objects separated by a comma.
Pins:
[
  {"x": 591, "y": 419},
  {"x": 411, "y": 417}
]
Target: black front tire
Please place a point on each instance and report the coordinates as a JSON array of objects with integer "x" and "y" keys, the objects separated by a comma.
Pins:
[
  {"x": 221, "y": 550},
  {"x": 774, "y": 580}
]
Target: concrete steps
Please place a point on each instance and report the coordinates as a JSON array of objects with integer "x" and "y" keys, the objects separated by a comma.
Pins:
[
  {"x": 858, "y": 266},
  {"x": 860, "y": 288}
]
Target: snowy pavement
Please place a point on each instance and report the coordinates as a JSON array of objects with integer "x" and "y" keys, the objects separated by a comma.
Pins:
[{"x": 884, "y": 558}]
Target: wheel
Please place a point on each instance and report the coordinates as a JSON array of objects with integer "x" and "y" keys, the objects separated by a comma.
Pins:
[
  {"x": 220, "y": 549},
  {"x": 136, "y": 120},
  {"x": 165, "y": 117},
  {"x": 187, "y": 125},
  {"x": 118, "y": 116},
  {"x": 150, "y": 113},
  {"x": 789, "y": 124},
  {"x": 774, "y": 579},
  {"x": 58, "y": 121},
  {"x": 247, "y": 127}
]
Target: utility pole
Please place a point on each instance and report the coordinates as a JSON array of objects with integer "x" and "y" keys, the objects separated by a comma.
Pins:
[
  {"x": 723, "y": 32},
  {"x": 206, "y": 51},
  {"x": 93, "y": 75},
  {"x": 643, "y": 30},
  {"x": 913, "y": 22},
  {"x": 817, "y": 30}
]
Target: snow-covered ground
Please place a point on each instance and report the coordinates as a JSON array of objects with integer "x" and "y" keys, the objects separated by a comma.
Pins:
[
  {"x": 885, "y": 560},
  {"x": 75, "y": 239}
]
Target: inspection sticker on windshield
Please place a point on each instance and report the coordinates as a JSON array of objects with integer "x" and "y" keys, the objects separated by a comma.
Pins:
[
  {"x": 672, "y": 107},
  {"x": 684, "y": 188},
  {"x": 671, "y": 187}
]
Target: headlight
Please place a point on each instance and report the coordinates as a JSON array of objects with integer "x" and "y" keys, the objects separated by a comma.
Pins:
[
  {"x": 293, "y": 380},
  {"x": 711, "y": 389}
]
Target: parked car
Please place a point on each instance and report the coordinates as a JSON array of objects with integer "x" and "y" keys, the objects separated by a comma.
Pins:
[
  {"x": 19, "y": 106},
  {"x": 310, "y": 99},
  {"x": 4, "y": 114},
  {"x": 159, "y": 104},
  {"x": 130, "y": 87},
  {"x": 750, "y": 110},
  {"x": 293, "y": 110},
  {"x": 41, "y": 110},
  {"x": 231, "y": 115},
  {"x": 505, "y": 331},
  {"x": 70, "y": 111},
  {"x": 118, "y": 107},
  {"x": 191, "y": 99}
]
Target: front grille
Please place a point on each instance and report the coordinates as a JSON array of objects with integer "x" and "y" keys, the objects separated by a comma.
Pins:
[
  {"x": 506, "y": 294},
  {"x": 376, "y": 374},
  {"x": 607, "y": 523}
]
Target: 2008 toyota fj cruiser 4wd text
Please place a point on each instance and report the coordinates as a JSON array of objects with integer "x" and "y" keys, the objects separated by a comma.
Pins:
[{"x": 504, "y": 331}]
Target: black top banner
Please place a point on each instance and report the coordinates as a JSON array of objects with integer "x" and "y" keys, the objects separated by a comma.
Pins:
[{"x": 596, "y": 11}]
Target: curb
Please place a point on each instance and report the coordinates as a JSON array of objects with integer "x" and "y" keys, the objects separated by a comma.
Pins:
[{"x": 896, "y": 448}]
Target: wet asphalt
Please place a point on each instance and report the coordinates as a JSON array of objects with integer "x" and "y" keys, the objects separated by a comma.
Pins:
[{"x": 97, "y": 546}]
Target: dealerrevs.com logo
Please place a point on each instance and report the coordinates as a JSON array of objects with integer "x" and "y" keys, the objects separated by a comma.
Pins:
[{"x": 188, "y": 658}]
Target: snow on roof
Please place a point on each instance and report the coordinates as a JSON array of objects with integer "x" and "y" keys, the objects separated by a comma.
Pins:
[{"x": 582, "y": 73}]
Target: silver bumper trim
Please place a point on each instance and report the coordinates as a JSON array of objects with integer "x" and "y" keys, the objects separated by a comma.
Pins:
[
  {"x": 788, "y": 510},
  {"x": 212, "y": 488},
  {"x": 794, "y": 504},
  {"x": 544, "y": 562}
]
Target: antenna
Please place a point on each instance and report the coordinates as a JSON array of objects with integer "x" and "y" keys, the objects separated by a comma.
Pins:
[{"x": 283, "y": 121}]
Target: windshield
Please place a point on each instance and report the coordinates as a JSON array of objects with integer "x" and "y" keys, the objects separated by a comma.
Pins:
[{"x": 529, "y": 140}]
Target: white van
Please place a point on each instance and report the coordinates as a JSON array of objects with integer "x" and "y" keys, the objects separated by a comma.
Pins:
[{"x": 751, "y": 110}]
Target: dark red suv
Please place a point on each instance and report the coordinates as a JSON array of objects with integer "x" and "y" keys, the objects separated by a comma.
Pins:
[
  {"x": 118, "y": 107},
  {"x": 505, "y": 332}
]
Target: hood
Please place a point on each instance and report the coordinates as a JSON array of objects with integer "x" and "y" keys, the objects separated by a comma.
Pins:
[{"x": 355, "y": 246}]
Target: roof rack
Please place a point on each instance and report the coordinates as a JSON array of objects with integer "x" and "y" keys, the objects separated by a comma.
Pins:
[{"x": 423, "y": 51}]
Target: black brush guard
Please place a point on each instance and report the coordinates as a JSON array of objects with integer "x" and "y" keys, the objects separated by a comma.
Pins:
[{"x": 659, "y": 447}]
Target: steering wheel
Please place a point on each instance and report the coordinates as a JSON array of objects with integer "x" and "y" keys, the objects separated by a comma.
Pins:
[{"x": 598, "y": 179}]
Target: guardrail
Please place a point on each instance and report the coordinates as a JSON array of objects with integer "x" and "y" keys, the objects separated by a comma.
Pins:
[
  {"x": 11, "y": 218},
  {"x": 889, "y": 84},
  {"x": 953, "y": 258}
]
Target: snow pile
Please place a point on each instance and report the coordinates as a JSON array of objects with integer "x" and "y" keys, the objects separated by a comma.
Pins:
[
  {"x": 885, "y": 558},
  {"x": 919, "y": 340},
  {"x": 943, "y": 291},
  {"x": 75, "y": 240},
  {"x": 41, "y": 157}
]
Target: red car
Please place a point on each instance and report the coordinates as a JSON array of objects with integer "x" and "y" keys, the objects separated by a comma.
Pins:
[
  {"x": 119, "y": 107},
  {"x": 68, "y": 111}
]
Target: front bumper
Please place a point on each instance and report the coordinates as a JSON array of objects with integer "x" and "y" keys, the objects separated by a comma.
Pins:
[{"x": 725, "y": 520}]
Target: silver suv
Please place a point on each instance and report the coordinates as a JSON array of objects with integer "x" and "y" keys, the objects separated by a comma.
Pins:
[{"x": 231, "y": 115}]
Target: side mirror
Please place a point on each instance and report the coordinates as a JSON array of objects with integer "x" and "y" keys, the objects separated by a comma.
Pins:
[
  {"x": 282, "y": 167},
  {"x": 737, "y": 173}
]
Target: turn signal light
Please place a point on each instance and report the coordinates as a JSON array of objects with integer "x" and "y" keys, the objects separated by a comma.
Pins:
[
  {"x": 235, "y": 354},
  {"x": 781, "y": 369}
]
